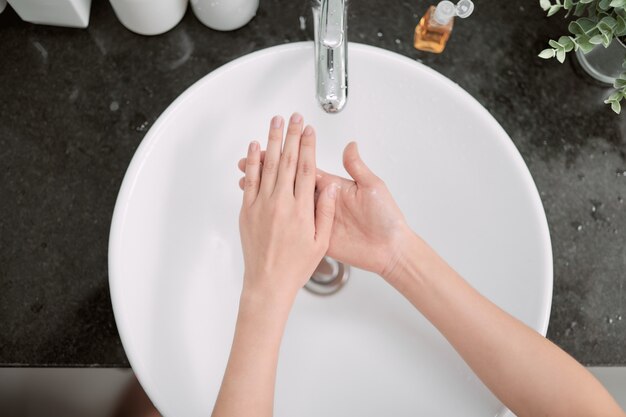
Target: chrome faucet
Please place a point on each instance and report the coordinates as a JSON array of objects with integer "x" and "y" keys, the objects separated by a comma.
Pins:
[{"x": 330, "y": 19}]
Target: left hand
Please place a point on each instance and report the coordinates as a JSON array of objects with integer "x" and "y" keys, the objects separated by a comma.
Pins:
[
  {"x": 367, "y": 218},
  {"x": 284, "y": 233}
]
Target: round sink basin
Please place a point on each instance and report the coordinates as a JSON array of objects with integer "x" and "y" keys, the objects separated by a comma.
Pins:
[{"x": 176, "y": 264}]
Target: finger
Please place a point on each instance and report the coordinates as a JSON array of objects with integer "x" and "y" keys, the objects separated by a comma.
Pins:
[
  {"x": 242, "y": 182},
  {"x": 356, "y": 167},
  {"x": 323, "y": 179},
  {"x": 306, "y": 171},
  {"x": 272, "y": 155},
  {"x": 242, "y": 162},
  {"x": 325, "y": 214},
  {"x": 253, "y": 173},
  {"x": 289, "y": 158}
]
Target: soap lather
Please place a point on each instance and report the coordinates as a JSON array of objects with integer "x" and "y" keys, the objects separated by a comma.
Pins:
[{"x": 433, "y": 31}]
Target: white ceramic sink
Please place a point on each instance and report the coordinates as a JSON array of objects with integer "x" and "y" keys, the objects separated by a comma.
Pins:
[{"x": 176, "y": 263}]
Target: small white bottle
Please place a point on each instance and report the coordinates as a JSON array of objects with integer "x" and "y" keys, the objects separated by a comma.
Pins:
[
  {"x": 71, "y": 13},
  {"x": 225, "y": 14},
  {"x": 149, "y": 17}
]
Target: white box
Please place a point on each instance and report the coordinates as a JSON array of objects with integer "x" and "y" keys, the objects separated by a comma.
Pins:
[{"x": 72, "y": 13}]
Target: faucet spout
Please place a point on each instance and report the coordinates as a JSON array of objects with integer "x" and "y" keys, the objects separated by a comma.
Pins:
[{"x": 330, "y": 19}]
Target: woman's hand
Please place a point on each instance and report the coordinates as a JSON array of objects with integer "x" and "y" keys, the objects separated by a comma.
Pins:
[
  {"x": 284, "y": 233},
  {"x": 369, "y": 228}
]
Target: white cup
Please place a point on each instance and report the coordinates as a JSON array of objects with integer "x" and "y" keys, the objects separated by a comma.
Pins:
[
  {"x": 149, "y": 17},
  {"x": 224, "y": 14}
]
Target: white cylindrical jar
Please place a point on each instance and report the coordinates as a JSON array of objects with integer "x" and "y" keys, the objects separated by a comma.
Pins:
[
  {"x": 224, "y": 14},
  {"x": 149, "y": 17},
  {"x": 70, "y": 13}
]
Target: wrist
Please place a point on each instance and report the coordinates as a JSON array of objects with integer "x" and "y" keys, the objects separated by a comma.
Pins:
[
  {"x": 264, "y": 301},
  {"x": 410, "y": 264}
]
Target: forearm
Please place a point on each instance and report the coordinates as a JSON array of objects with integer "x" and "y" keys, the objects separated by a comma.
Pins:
[
  {"x": 248, "y": 385},
  {"x": 529, "y": 374}
]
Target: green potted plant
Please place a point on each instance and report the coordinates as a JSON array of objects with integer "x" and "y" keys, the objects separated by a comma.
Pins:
[{"x": 596, "y": 24}]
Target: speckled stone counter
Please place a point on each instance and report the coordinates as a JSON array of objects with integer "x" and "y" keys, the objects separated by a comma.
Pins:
[{"x": 75, "y": 104}]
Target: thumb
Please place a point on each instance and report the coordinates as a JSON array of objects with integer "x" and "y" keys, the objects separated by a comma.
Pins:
[
  {"x": 325, "y": 213},
  {"x": 356, "y": 167}
]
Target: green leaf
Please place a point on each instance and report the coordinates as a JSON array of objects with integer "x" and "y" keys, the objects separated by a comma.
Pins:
[
  {"x": 616, "y": 107},
  {"x": 581, "y": 26},
  {"x": 560, "y": 55},
  {"x": 596, "y": 40},
  {"x": 615, "y": 96},
  {"x": 554, "y": 9},
  {"x": 580, "y": 9},
  {"x": 545, "y": 4},
  {"x": 566, "y": 43},
  {"x": 547, "y": 53},
  {"x": 554, "y": 44},
  {"x": 620, "y": 26},
  {"x": 607, "y": 21},
  {"x": 604, "y": 4},
  {"x": 584, "y": 44},
  {"x": 618, "y": 3}
]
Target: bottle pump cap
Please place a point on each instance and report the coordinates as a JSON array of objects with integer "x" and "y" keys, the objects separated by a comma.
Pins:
[
  {"x": 446, "y": 10},
  {"x": 464, "y": 8}
]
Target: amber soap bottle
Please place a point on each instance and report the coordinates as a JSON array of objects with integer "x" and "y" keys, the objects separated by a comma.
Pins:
[{"x": 433, "y": 31}]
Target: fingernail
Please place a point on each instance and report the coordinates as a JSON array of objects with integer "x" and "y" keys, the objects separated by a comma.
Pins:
[
  {"x": 254, "y": 146},
  {"x": 332, "y": 191},
  {"x": 308, "y": 131},
  {"x": 296, "y": 118},
  {"x": 277, "y": 122}
]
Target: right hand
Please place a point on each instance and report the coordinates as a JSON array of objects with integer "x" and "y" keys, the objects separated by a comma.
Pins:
[{"x": 369, "y": 229}]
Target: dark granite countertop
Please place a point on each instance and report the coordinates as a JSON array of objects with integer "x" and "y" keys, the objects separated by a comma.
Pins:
[{"x": 74, "y": 105}]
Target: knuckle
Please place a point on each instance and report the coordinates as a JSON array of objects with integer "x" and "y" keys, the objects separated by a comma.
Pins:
[
  {"x": 250, "y": 183},
  {"x": 275, "y": 137},
  {"x": 306, "y": 168},
  {"x": 270, "y": 167},
  {"x": 308, "y": 141},
  {"x": 294, "y": 129},
  {"x": 290, "y": 159}
]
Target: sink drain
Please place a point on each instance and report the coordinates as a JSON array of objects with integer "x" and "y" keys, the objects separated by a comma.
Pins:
[{"x": 329, "y": 277}]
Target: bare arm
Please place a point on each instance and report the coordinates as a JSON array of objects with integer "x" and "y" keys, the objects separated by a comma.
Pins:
[
  {"x": 248, "y": 386},
  {"x": 528, "y": 373},
  {"x": 284, "y": 235}
]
